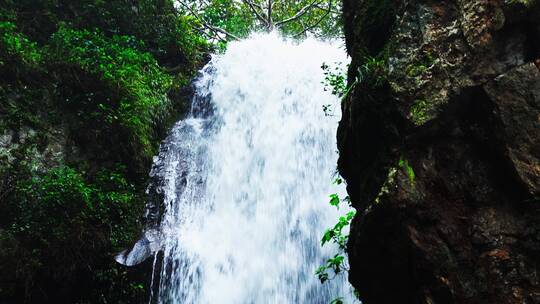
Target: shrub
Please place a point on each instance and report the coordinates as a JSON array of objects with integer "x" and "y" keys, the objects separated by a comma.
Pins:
[
  {"x": 63, "y": 224},
  {"x": 141, "y": 85}
]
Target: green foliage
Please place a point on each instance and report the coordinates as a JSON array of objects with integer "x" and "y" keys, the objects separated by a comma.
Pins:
[
  {"x": 337, "y": 264},
  {"x": 404, "y": 164},
  {"x": 419, "y": 112},
  {"x": 323, "y": 20},
  {"x": 334, "y": 200},
  {"x": 141, "y": 83},
  {"x": 60, "y": 216},
  {"x": 222, "y": 20},
  {"x": 16, "y": 46},
  {"x": 418, "y": 68},
  {"x": 171, "y": 37},
  {"x": 390, "y": 182},
  {"x": 334, "y": 79},
  {"x": 415, "y": 70},
  {"x": 335, "y": 233},
  {"x": 89, "y": 81},
  {"x": 232, "y": 16},
  {"x": 373, "y": 72},
  {"x": 61, "y": 201}
]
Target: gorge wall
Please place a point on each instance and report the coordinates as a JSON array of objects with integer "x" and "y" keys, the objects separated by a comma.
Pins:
[{"x": 440, "y": 146}]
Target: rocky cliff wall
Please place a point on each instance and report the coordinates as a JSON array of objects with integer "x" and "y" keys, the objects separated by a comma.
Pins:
[{"x": 440, "y": 146}]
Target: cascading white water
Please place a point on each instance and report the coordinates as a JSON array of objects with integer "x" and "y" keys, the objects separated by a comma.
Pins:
[{"x": 246, "y": 179}]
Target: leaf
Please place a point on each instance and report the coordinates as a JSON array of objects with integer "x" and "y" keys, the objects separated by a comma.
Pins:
[
  {"x": 322, "y": 274},
  {"x": 334, "y": 200},
  {"x": 328, "y": 235}
]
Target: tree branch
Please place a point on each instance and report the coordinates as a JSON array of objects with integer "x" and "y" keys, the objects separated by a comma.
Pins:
[
  {"x": 270, "y": 21},
  {"x": 299, "y": 14},
  {"x": 316, "y": 23},
  {"x": 324, "y": 9},
  {"x": 207, "y": 25},
  {"x": 251, "y": 6}
]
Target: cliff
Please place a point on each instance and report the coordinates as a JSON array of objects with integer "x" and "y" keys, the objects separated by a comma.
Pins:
[{"x": 440, "y": 146}]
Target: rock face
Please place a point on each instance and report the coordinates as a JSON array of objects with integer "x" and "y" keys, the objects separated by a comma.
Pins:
[{"x": 440, "y": 146}]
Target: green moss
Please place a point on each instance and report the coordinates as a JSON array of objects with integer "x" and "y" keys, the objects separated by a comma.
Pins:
[
  {"x": 409, "y": 171},
  {"x": 419, "y": 112},
  {"x": 423, "y": 64}
]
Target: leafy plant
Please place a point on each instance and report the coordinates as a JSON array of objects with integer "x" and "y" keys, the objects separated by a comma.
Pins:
[
  {"x": 335, "y": 79},
  {"x": 419, "y": 112},
  {"x": 404, "y": 164},
  {"x": 61, "y": 215},
  {"x": 372, "y": 72},
  {"x": 335, "y": 234},
  {"x": 17, "y": 46},
  {"x": 88, "y": 81},
  {"x": 137, "y": 78},
  {"x": 336, "y": 264}
]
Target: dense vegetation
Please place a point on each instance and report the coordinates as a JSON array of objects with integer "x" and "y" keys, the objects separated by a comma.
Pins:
[{"x": 88, "y": 90}]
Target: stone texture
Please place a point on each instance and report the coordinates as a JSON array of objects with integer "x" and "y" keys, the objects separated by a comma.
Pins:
[{"x": 462, "y": 105}]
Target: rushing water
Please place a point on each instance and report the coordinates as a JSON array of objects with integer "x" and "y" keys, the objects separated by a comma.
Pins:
[{"x": 245, "y": 180}]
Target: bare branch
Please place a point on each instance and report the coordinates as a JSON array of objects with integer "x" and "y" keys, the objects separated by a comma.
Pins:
[
  {"x": 333, "y": 11},
  {"x": 252, "y": 5},
  {"x": 207, "y": 25},
  {"x": 258, "y": 5},
  {"x": 269, "y": 14},
  {"x": 217, "y": 29},
  {"x": 299, "y": 14},
  {"x": 305, "y": 30}
]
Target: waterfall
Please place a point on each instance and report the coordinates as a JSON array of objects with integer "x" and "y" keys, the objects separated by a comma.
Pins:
[{"x": 245, "y": 180}]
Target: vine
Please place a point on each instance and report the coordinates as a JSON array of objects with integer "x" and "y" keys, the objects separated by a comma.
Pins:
[{"x": 337, "y": 264}]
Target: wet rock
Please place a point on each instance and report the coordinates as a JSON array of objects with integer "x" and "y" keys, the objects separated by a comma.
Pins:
[
  {"x": 516, "y": 98},
  {"x": 460, "y": 103}
]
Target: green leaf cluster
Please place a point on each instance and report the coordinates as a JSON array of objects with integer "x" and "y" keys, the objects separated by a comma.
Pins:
[
  {"x": 335, "y": 234},
  {"x": 404, "y": 164},
  {"x": 335, "y": 79},
  {"x": 139, "y": 81},
  {"x": 61, "y": 215},
  {"x": 335, "y": 264},
  {"x": 15, "y": 46}
]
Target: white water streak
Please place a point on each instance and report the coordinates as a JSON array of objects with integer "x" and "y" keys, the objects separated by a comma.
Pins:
[{"x": 247, "y": 187}]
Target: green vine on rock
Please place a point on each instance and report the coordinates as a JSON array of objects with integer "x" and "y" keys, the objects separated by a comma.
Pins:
[{"x": 337, "y": 264}]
